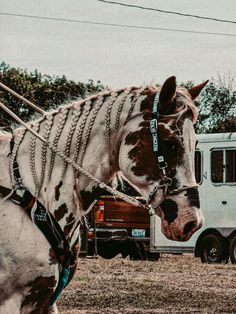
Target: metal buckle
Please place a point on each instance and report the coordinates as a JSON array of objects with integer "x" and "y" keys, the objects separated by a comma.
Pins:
[
  {"x": 151, "y": 210},
  {"x": 153, "y": 126},
  {"x": 152, "y": 193}
]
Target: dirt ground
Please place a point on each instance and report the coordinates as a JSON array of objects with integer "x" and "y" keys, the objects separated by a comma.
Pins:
[{"x": 174, "y": 284}]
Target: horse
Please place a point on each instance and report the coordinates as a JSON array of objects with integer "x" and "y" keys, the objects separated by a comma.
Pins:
[{"x": 43, "y": 198}]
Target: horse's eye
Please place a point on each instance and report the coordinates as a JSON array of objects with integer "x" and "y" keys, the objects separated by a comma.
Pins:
[{"x": 171, "y": 145}]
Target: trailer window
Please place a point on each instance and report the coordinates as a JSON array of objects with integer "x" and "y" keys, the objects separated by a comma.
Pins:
[
  {"x": 231, "y": 166},
  {"x": 223, "y": 166},
  {"x": 198, "y": 166},
  {"x": 217, "y": 166}
]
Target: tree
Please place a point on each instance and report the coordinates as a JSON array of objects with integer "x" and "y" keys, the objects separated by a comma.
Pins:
[
  {"x": 216, "y": 106},
  {"x": 43, "y": 90}
]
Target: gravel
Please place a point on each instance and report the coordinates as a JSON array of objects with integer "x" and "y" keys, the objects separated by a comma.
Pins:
[{"x": 174, "y": 284}]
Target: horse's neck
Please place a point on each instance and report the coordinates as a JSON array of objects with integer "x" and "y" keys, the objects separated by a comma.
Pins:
[{"x": 88, "y": 134}]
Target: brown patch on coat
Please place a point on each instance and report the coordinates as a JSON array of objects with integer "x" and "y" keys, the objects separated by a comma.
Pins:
[
  {"x": 41, "y": 290},
  {"x": 52, "y": 257},
  {"x": 142, "y": 152},
  {"x": 147, "y": 103},
  {"x": 89, "y": 196},
  {"x": 57, "y": 190},
  {"x": 60, "y": 212}
]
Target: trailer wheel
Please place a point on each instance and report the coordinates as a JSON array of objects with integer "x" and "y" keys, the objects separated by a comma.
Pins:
[
  {"x": 214, "y": 249},
  {"x": 232, "y": 250}
]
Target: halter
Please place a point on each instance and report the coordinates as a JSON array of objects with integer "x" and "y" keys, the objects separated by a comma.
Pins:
[{"x": 162, "y": 164}]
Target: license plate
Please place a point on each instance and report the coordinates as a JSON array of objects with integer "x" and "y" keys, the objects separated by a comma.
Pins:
[{"x": 138, "y": 233}]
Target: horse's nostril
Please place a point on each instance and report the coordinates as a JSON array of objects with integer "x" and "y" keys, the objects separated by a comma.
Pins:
[{"x": 188, "y": 227}]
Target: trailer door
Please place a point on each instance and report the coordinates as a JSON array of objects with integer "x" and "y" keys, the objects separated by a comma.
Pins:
[{"x": 221, "y": 186}]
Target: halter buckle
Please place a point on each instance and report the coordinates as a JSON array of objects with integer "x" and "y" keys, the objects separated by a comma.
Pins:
[
  {"x": 153, "y": 126},
  {"x": 151, "y": 210}
]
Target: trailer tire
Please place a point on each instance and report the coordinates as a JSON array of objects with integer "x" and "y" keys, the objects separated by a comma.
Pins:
[
  {"x": 232, "y": 250},
  {"x": 214, "y": 249}
]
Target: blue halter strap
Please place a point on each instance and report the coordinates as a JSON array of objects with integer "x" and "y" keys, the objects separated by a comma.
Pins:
[
  {"x": 154, "y": 131},
  {"x": 162, "y": 165}
]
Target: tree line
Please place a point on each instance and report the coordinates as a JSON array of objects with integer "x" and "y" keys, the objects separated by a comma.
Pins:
[{"x": 216, "y": 105}]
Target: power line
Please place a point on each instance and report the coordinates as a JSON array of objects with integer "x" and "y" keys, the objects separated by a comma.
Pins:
[
  {"x": 167, "y": 12},
  {"x": 116, "y": 25}
]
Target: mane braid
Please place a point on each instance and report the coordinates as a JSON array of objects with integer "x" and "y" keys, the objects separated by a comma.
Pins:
[
  {"x": 120, "y": 107},
  {"x": 35, "y": 127},
  {"x": 47, "y": 131},
  {"x": 18, "y": 137},
  {"x": 94, "y": 113},
  {"x": 81, "y": 125},
  {"x": 134, "y": 101},
  {"x": 75, "y": 117},
  {"x": 61, "y": 123},
  {"x": 112, "y": 99}
]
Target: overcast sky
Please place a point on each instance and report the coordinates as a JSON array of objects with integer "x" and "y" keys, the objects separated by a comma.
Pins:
[{"x": 119, "y": 56}]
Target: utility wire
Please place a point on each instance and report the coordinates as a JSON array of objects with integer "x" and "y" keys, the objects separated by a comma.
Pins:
[
  {"x": 116, "y": 25},
  {"x": 167, "y": 12}
]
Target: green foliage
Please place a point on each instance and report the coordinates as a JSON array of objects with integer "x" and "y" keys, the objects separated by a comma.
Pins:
[
  {"x": 43, "y": 90},
  {"x": 217, "y": 108},
  {"x": 216, "y": 105}
]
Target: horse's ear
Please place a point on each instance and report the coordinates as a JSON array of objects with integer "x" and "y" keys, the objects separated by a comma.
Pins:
[
  {"x": 195, "y": 90},
  {"x": 167, "y": 95}
]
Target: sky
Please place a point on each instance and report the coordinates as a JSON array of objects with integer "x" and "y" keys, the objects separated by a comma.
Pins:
[{"x": 116, "y": 56}]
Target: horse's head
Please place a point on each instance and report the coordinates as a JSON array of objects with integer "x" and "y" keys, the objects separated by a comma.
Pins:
[{"x": 172, "y": 192}]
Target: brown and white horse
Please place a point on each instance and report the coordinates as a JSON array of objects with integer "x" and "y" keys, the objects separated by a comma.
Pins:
[{"x": 106, "y": 134}]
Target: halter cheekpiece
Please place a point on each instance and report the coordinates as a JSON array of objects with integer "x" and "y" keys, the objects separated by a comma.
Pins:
[{"x": 157, "y": 150}]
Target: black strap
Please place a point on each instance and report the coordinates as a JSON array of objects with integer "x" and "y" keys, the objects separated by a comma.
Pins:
[
  {"x": 51, "y": 229},
  {"x": 46, "y": 222},
  {"x": 155, "y": 137},
  {"x": 14, "y": 197}
]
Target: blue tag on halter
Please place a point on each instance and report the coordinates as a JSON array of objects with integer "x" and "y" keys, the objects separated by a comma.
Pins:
[
  {"x": 155, "y": 142},
  {"x": 153, "y": 126},
  {"x": 155, "y": 104}
]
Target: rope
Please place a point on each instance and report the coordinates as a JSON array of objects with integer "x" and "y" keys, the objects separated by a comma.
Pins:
[{"x": 21, "y": 98}]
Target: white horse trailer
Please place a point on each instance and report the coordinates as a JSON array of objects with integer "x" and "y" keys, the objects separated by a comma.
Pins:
[{"x": 215, "y": 167}]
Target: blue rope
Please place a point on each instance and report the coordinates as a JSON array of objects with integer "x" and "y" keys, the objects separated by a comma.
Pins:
[{"x": 63, "y": 281}]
